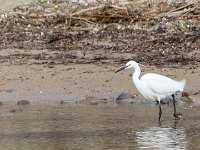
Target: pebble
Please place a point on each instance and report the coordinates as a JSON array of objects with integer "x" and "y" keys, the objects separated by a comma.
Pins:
[
  {"x": 123, "y": 95},
  {"x": 16, "y": 110},
  {"x": 94, "y": 102},
  {"x": 23, "y": 102},
  {"x": 1, "y": 103}
]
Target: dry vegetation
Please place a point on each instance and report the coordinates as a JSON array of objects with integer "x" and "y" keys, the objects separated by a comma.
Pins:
[{"x": 159, "y": 34}]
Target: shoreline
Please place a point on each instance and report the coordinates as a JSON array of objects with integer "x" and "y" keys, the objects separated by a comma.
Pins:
[{"x": 40, "y": 84}]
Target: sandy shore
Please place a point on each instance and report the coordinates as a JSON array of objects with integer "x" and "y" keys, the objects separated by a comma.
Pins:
[
  {"x": 54, "y": 83},
  {"x": 62, "y": 70}
]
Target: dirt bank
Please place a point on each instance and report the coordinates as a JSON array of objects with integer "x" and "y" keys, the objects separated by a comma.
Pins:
[
  {"x": 99, "y": 34},
  {"x": 44, "y": 57},
  {"x": 53, "y": 83}
]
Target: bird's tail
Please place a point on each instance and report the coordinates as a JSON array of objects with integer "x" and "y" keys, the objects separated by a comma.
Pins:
[{"x": 182, "y": 84}]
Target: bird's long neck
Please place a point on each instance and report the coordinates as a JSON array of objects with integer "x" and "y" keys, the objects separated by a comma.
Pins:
[{"x": 137, "y": 72}]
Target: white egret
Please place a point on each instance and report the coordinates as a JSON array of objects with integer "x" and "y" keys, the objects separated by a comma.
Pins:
[{"x": 154, "y": 86}]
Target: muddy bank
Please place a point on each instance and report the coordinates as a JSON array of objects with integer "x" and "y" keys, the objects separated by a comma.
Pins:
[
  {"x": 57, "y": 55},
  {"x": 74, "y": 83},
  {"x": 103, "y": 34},
  {"x": 110, "y": 46}
]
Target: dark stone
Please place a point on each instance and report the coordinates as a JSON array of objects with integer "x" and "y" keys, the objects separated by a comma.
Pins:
[
  {"x": 63, "y": 102},
  {"x": 23, "y": 102},
  {"x": 149, "y": 103},
  {"x": 123, "y": 95},
  {"x": 1, "y": 103},
  {"x": 94, "y": 103},
  {"x": 160, "y": 29},
  {"x": 16, "y": 110}
]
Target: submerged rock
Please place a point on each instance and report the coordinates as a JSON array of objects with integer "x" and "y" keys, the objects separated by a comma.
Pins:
[
  {"x": 63, "y": 102},
  {"x": 94, "y": 102},
  {"x": 178, "y": 116},
  {"x": 123, "y": 96},
  {"x": 186, "y": 98},
  {"x": 16, "y": 110},
  {"x": 167, "y": 100},
  {"x": 149, "y": 103},
  {"x": 23, "y": 102},
  {"x": 11, "y": 90},
  {"x": 90, "y": 98},
  {"x": 1, "y": 103}
]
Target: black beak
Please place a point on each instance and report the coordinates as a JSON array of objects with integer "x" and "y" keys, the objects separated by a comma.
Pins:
[{"x": 120, "y": 69}]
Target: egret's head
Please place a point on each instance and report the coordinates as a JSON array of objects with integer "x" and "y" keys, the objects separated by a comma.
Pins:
[{"x": 130, "y": 64}]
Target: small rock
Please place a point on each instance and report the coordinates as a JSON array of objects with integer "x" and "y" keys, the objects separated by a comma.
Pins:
[
  {"x": 103, "y": 99},
  {"x": 50, "y": 66},
  {"x": 185, "y": 94},
  {"x": 94, "y": 102},
  {"x": 132, "y": 101},
  {"x": 122, "y": 96},
  {"x": 10, "y": 90},
  {"x": 90, "y": 98},
  {"x": 159, "y": 29},
  {"x": 16, "y": 110},
  {"x": 149, "y": 103},
  {"x": 23, "y": 102},
  {"x": 167, "y": 100},
  {"x": 178, "y": 116},
  {"x": 196, "y": 93},
  {"x": 1, "y": 103},
  {"x": 186, "y": 99},
  {"x": 63, "y": 102}
]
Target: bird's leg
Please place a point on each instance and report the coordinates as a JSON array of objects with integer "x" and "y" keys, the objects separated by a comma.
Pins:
[
  {"x": 160, "y": 112},
  {"x": 174, "y": 104},
  {"x": 176, "y": 115}
]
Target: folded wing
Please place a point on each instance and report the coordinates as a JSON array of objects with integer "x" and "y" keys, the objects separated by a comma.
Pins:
[{"x": 162, "y": 85}]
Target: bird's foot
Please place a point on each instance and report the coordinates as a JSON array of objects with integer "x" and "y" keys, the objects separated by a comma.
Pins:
[{"x": 178, "y": 116}]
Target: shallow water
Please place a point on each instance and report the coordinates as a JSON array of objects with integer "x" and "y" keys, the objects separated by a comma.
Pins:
[{"x": 96, "y": 127}]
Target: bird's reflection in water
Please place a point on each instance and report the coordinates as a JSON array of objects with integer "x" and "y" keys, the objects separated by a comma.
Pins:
[{"x": 161, "y": 138}]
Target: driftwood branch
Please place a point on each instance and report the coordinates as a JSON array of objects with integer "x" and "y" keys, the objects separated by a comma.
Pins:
[
  {"x": 86, "y": 10},
  {"x": 183, "y": 7},
  {"x": 95, "y": 8},
  {"x": 175, "y": 14}
]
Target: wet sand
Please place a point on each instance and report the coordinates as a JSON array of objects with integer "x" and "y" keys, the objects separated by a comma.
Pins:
[
  {"x": 75, "y": 82},
  {"x": 77, "y": 73}
]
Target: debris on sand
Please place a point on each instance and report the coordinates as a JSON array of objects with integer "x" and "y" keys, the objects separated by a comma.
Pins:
[
  {"x": 16, "y": 110},
  {"x": 161, "y": 34},
  {"x": 23, "y": 102}
]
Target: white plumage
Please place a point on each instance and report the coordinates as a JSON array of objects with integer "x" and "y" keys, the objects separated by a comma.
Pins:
[
  {"x": 154, "y": 86},
  {"x": 161, "y": 86}
]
